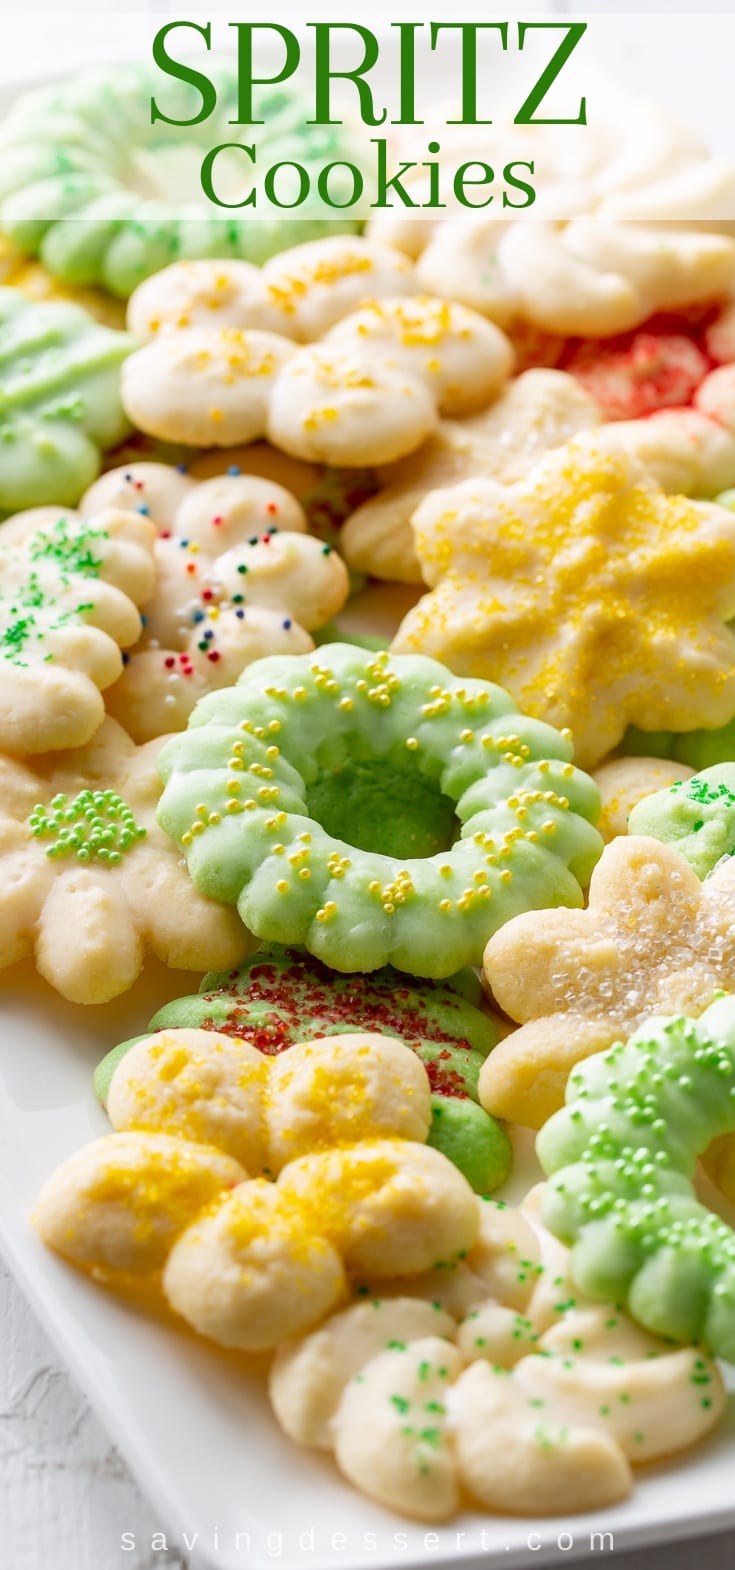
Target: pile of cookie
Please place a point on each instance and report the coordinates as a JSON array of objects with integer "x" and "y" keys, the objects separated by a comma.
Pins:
[{"x": 476, "y": 881}]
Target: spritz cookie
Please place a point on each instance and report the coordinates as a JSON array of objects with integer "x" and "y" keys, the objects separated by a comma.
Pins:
[
  {"x": 300, "y": 292},
  {"x": 323, "y": 793},
  {"x": 88, "y": 174},
  {"x": 594, "y": 598},
  {"x": 237, "y": 578},
  {"x": 89, "y": 882},
  {"x": 621, "y": 1156},
  {"x": 370, "y": 391},
  {"x": 70, "y": 589},
  {"x": 61, "y": 405},
  {"x": 526, "y": 1396},
  {"x": 654, "y": 937},
  {"x": 342, "y": 1122},
  {"x": 278, "y": 998}
]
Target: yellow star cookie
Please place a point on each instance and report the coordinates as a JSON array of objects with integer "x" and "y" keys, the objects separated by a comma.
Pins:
[
  {"x": 596, "y": 600},
  {"x": 654, "y": 940}
]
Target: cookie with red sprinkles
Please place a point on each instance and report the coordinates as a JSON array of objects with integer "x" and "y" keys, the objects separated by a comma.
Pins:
[{"x": 282, "y": 996}]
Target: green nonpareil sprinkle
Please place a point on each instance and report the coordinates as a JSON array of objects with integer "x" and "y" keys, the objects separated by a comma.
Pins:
[
  {"x": 69, "y": 547},
  {"x": 401, "y": 1404},
  {"x": 95, "y": 826}
]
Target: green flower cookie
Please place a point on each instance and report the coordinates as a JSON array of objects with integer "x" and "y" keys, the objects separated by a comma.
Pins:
[
  {"x": 377, "y": 809},
  {"x": 696, "y": 816},
  {"x": 88, "y": 149},
  {"x": 59, "y": 400},
  {"x": 280, "y": 997},
  {"x": 623, "y": 1155}
]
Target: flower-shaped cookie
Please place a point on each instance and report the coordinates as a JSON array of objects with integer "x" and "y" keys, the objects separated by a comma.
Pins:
[
  {"x": 60, "y": 399},
  {"x": 106, "y": 192},
  {"x": 164, "y": 1208},
  {"x": 237, "y": 577},
  {"x": 69, "y": 592},
  {"x": 537, "y": 411},
  {"x": 653, "y": 197},
  {"x": 282, "y": 996},
  {"x": 368, "y": 392},
  {"x": 88, "y": 881},
  {"x": 498, "y": 1381},
  {"x": 245, "y": 1260},
  {"x": 299, "y": 293},
  {"x": 593, "y": 597},
  {"x": 592, "y": 277},
  {"x": 654, "y": 939}
]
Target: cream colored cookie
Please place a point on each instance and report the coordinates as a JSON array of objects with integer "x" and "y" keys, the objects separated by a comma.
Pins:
[
  {"x": 299, "y": 293},
  {"x": 70, "y": 589},
  {"x": 391, "y": 1435},
  {"x": 205, "y": 387},
  {"x": 519, "y": 1456},
  {"x": 369, "y": 392},
  {"x": 633, "y": 215},
  {"x": 237, "y": 578},
  {"x": 89, "y": 881},
  {"x": 160, "y": 687},
  {"x": 335, "y": 405},
  {"x": 464, "y": 360},
  {"x": 200, "y": 293},
  {"x": 533, "y": 1412},
  {"x": 309, "y": 1375},
  {"x": 308, "y": 288},
  {"x": 654, "y": 939}
]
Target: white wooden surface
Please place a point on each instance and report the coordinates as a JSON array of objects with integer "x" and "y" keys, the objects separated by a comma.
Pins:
[{"x": 66, "y": 1495}]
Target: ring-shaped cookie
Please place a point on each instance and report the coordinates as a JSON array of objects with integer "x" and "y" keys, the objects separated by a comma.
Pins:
[
  {"x": 377, "y": 809},
  {"x": 623, "y": 1154},
  {"x": 96, "y": 183}
]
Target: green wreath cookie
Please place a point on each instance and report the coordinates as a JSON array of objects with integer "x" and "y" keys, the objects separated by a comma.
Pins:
[
  {"x": 623, "y": 1154},
  {"x": 377, "y": 809},
  {"x": 88, "y": 149},
  {"x": 278, "y": 998},
  {"x": 59, "y": 400}
]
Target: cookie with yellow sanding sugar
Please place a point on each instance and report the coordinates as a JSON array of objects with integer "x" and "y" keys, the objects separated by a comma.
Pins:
[
  {"x": 595, "y": 598},
  {"x": 278, "y": 997}
]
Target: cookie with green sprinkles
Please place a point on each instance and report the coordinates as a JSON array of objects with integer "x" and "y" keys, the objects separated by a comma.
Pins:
[
  {"x": 621, "y": 1156},
  {"x": 88, "y": 881},
  {"x": 70, "y": 589},
  {"x": 376, "y": 809},
  {"x": 87, "y": 175},
  {"x": 696, "y": 816},
  {"x": 60, "y": 406},
  {"x": 279, "y": 998}
]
